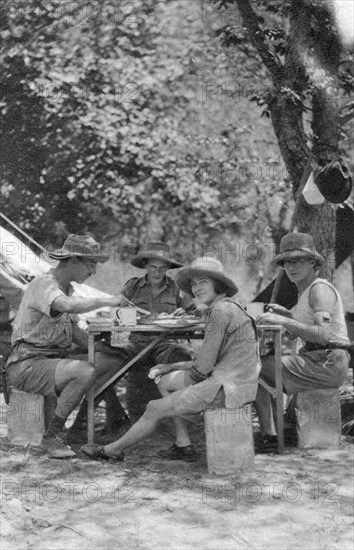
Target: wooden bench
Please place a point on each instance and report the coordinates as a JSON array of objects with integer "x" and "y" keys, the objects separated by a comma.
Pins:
[
  {"x": 229, "y": 440},
  {"x": 27, "y": 415},
  {"x": 318, "y": 418}
]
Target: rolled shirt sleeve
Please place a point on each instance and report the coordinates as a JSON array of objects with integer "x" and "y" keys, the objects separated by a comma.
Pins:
[
  {"x": 44, "y": 293},
  {"x": 34, "y": 324}
]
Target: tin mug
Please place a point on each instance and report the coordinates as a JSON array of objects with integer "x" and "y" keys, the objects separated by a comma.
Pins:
[
  {"x": 127, "y": 316},
  {"x": 113, "y": 312}
]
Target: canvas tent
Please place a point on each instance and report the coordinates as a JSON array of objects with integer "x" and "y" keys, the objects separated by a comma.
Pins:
[
  {"x": 344, "y": 247},
  {"x": 19, "y": 264}
]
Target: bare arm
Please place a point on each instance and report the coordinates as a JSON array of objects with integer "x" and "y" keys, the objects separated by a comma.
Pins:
[
  {"x": 322, "y": 301},
  {"x": 78, "y": 304},
  {"x": 80, "y": 337}
]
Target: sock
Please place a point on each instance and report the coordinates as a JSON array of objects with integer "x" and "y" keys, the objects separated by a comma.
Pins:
[
  {"x": 80, "y": 421},
  {"x": 56, "y": 425},
  {"x": 182, "y": 441}
]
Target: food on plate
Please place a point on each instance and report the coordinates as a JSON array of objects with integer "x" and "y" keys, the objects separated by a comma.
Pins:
[{"x": 168, "y": 319}]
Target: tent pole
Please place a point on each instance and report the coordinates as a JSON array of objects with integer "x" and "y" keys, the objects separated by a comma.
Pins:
[{"x": 23, "y": 233}]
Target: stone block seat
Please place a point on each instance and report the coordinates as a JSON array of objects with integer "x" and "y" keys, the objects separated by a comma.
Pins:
[
  {"x": 27, "y": 416},
  {"x": 318, "y": 418},
  {"x": 229, "y": 440}
]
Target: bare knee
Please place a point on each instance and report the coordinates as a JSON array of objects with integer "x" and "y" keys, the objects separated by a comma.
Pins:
[
  {"x": 163, "y": 386},
  {"x": 85, "y": 373},
  {"x": 153, "y": 410}
]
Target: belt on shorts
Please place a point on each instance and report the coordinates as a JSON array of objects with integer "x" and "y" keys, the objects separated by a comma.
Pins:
[
  {"x": 309, "y": 346},
  {"x": 24, "y": 350}
]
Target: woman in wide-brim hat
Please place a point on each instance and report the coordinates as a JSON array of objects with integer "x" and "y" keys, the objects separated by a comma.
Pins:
[
  {"x": 206, "y": 267},
  {"x": 224, "y": 372},
  {"x": 318, "y": 319}
]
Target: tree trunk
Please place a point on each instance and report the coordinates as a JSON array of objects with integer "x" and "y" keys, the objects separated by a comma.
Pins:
[
  {"x": 320, "y": 222},
  {"x": 312, "y": 50}
]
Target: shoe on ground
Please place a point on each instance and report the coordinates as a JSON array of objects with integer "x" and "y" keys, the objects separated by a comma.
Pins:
[
  {"x": 78, "y": 435},
  {"x": 96, "y": 452},
  {"x": 268, "y": 443},
  {"x": 117, "y": 430},
  {"x": 55, "y": 447},
  {"x": 187, "y": 453}
]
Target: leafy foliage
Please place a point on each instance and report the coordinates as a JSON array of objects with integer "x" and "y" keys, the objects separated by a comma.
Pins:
[{"x": 104, "y": 129}]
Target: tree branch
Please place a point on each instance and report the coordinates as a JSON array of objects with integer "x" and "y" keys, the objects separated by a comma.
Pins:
[
  {"x": 346, "y": 117},
  {"x": 269, "y": 58}
]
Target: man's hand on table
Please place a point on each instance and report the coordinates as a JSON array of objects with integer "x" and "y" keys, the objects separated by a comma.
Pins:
[
  {"x": 278, "y": 310},
  {"x": 120, "y": 300},
  {"x": 270, "y": 319},
  {"x": 179, "y": 312}
]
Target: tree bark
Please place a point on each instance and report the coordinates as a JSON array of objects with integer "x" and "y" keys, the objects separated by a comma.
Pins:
[{"x": 310, "y": 65}]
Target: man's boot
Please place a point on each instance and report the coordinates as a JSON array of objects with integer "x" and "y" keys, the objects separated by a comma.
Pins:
[{"x": 53, "y": 442}]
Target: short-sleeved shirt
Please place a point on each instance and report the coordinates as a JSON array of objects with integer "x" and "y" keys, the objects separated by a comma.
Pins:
[
  {"x": 139, "y": 291},
  {"x": 35, "y": 324},
  {"x": 303, "y": 313}
]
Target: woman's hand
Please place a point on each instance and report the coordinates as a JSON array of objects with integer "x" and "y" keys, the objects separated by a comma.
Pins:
[
  {"x": 165, "y": 368},
  {"x": 160, "y": 370}
]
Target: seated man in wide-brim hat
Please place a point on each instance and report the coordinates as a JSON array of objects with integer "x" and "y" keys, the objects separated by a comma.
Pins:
[
  {"x": 224, "y": 373},
  {"x": 317, "y": 319},
  {"x": 44, "y": 330},
  {"x": 154, "y": 291}
]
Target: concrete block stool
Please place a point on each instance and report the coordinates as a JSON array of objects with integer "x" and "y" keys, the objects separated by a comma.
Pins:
[
  {"x": 229, "y": 440},
  {"x": 318, "y": 418},
  {"x": 27, "y": 415}
]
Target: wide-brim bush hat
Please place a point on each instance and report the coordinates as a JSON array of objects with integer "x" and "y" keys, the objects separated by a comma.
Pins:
[
  {"x": 335, "y": 181},
  {"x": 206, "y": 266},
  {"x": 155, "y": 251},
  {"x": 297, "y": 245},
  {"x": 80, "y": 246}
]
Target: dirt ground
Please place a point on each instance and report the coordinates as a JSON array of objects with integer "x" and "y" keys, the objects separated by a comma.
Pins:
[{"x": 292, "y": 501}]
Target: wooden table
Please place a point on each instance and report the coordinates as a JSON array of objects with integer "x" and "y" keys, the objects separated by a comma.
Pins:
[
  {"x": 96, "y": 328},
  {"x": 275, "y": 331}
]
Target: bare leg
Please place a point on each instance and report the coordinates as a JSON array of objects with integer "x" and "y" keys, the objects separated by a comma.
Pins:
[
  {"x": 73, "y": 377},
  {"x": 177, "y": 380},
  {"x": 105, "y": 366},
  {"x": 155, "y": 410}
]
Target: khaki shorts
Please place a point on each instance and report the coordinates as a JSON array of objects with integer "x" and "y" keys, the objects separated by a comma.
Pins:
[
  {"x": 198, "y": 398},
  {"x": 36, "y": 374},
  {"x": 309, "y": 369}
]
